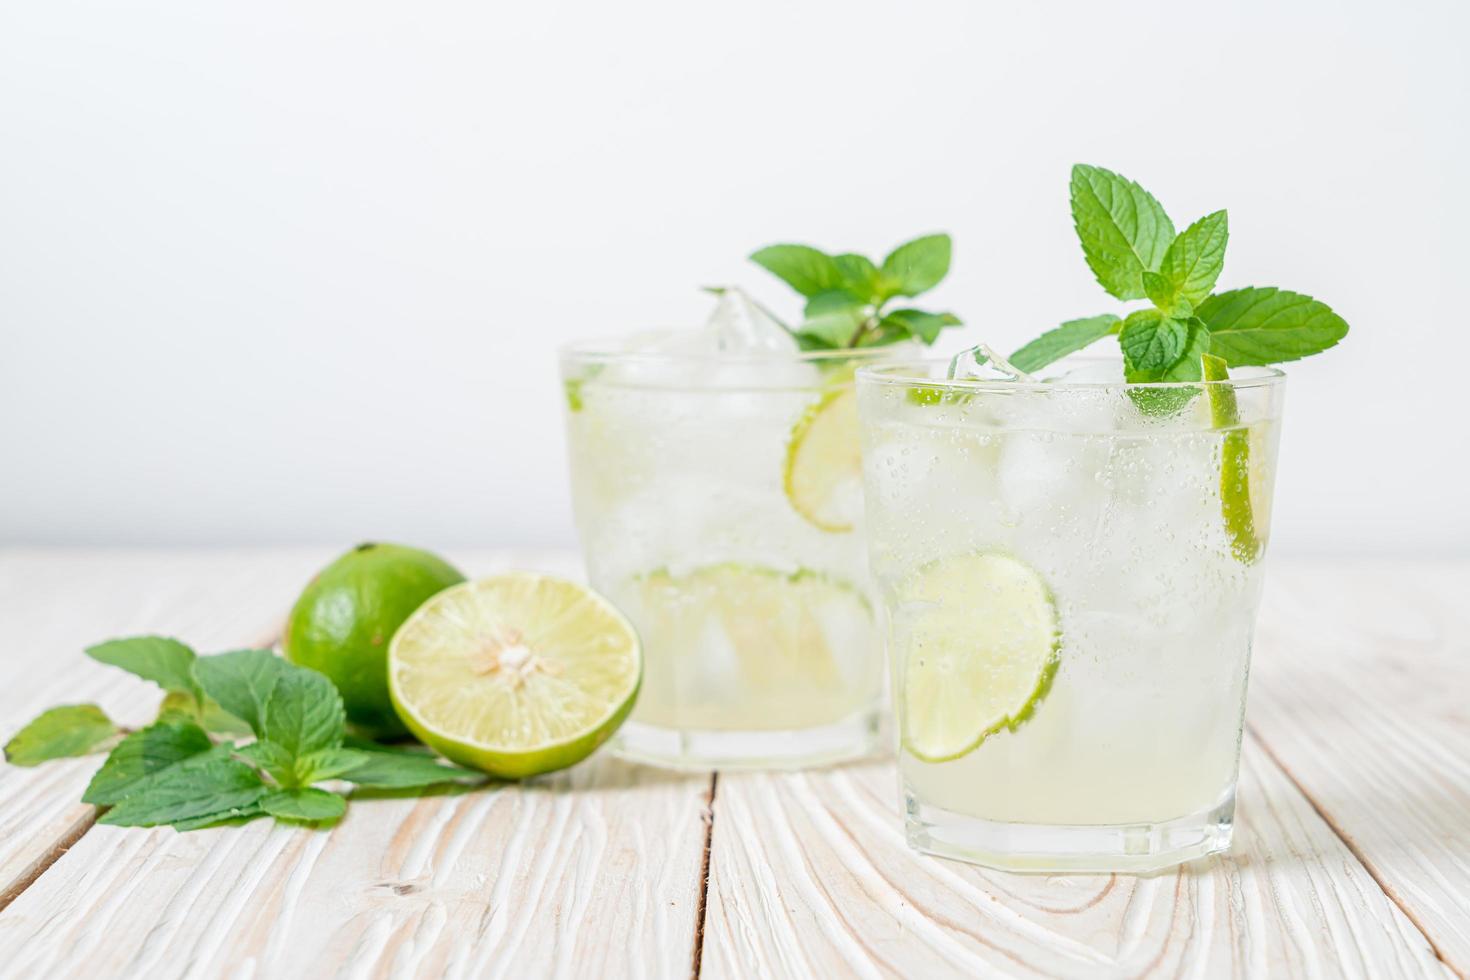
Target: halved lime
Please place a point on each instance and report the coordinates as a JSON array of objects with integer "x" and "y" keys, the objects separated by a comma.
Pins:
[
  {"x": 516, "y": 674},
  {"x": 978, "y": 639},
  {"x": 824, "y": 462}
]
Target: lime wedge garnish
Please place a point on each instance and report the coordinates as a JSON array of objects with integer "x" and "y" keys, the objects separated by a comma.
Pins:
[
  {"x": 516, "y": 674},
  {"x": 976, "y": 636},
  {"x": 1236, "y": 489},
  {"x": 823, "y": 476},
  {"x": 776, "y": 623}
]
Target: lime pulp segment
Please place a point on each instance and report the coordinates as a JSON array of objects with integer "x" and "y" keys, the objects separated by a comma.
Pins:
[
  {"x": 824, "y": 462},
  {"x": 516, "y": 674},
  {"x": 978, "y": 638},
  {"x": 1235, "y": 463}
]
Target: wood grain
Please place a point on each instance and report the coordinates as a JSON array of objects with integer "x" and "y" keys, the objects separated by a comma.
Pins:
[
  {"x": 810, "y": 877},
  {"x": 55, "y": 603},
  {"x": 1362, "y": 692},
  {"x": 591, "y": 871}
]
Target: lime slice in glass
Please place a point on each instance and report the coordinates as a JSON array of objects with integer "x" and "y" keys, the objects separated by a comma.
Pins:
[
  {"x": 1237, "y": 481},
  {"x": 780, "y": 626},
  {"x": 978, "y": 639},
  {"x": 516, "y": 674},
  {"x": 823, "y": 475}
]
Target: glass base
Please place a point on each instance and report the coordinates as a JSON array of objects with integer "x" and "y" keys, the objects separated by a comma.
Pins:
[
  {"x": 671, "y": 748},
  {"x": 1129, "y": 848}
]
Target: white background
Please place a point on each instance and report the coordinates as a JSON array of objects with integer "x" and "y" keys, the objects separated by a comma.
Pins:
[{"x": 279, "y": 271}]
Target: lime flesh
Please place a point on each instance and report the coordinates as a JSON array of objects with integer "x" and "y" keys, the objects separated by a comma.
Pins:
[
  {"x": 824, "y": 462},
  {"x": 978, "y": 642},
  {"x": 516, "y": 674}
]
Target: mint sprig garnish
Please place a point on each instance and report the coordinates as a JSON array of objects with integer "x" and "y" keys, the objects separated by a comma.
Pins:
[
  {"x": 196, "y": 765},
  {"x": 1131, "y": 247},
  {"x": 848, "y": 295}
]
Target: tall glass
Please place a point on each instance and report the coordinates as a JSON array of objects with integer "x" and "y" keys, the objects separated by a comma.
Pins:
[
  {"x": 718, "y": 498},
  {"x": 1069, "y": 573}
]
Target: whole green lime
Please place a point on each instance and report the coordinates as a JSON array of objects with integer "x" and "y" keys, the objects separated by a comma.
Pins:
[{"x": 343, "y": 621}]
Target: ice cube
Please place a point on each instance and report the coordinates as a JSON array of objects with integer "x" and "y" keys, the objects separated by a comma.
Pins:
[{"x": 739, "y": 323}]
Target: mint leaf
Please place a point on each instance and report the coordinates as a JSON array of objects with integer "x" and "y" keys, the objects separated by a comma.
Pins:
[
  {"x": 917, "y": 323},
  {"x": 205, "y": 785},
  {"x": 1160, "y": 291},
  {"x": 807, "y": 270},
  {"x": 278, "y": 763},
  {"x": 61, "y": 733},
  {"x": 238, "y": 813},
  {"x": 1193, "y": 263},
  {"x": 1266, "y": 325},
  {"x": 1123, "y": 230},
  {"x": 400, "y": 770},
  {"x": 304, "y": 712},
  {"x": 327, "y": 764},
  {"x": 163, "y": 661},
  {"x": 834, "y": 317},
  {"x": 1066, "y": 339},
  {"x": 241, "y": 681},
  {"x": 1151, "y": 343},
  {"x": 307, "y": 805},
  {"x": 862, "y": 278},
  {"x": 918, "y": 266},
  {"x": 141, "y": 755},
  {"x": 1186, "y": 366}
]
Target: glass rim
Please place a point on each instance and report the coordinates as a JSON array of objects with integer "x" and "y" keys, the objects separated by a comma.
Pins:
[
  {"x": 605, "y": 350},
  {"x": 907, "y": 374}
]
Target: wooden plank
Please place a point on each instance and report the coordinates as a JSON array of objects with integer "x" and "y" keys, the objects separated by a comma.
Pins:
[
  {"x": 57, "y": 602},
  {"x": 593, "y": 870},
  {"x": 589, "y": 872},
  {"x": 1361, "y": 678},
  {"x": 810, "y": 877}
]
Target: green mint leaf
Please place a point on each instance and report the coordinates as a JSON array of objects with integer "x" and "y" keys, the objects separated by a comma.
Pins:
[
  {"x": 1066, "y": 339},
  {"x": 178, "y": 706},
  {"x": 327, "y": 764},
  {"x": 1160, "y": 291},
  {"x": 241, "y": 681},
  {"x": 207, "y": 784},
  {"x": 278, "y": 763},
  {"x": 238, "y": 814},
  {"x": 862, "y": 278},
  {"x": 1193, "y": 263},
  {"x": 1151, "y": 343},
  {"x": 807, "y": 270},
  {"x": 304, "y": 805},
  {"x": 304, "y": 712},
  {"x": 1265, "y": 325},
  {"x": 1186, "y": 366},
  {"x": 61, "y": 733},
  {"x": 143, "y": 754},
  {"x": 1123, "y": 230},
  {"x": 918, "y": 266},
  {"x": 166, "y": 662},
  {"x": 919, "y": 324},
  {"x": 834, "y": 317},
  {"x": 402, "y": 770}
]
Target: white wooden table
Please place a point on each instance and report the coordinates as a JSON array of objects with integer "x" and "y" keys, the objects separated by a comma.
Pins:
[{"x": 1352, "y": 855}]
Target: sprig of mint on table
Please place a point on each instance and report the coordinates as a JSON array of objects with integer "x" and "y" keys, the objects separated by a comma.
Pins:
[
  {"x": 239, "y": 735},
  {"x": 848, "y": 295},
  {"x": 1132, "y": 248}
]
